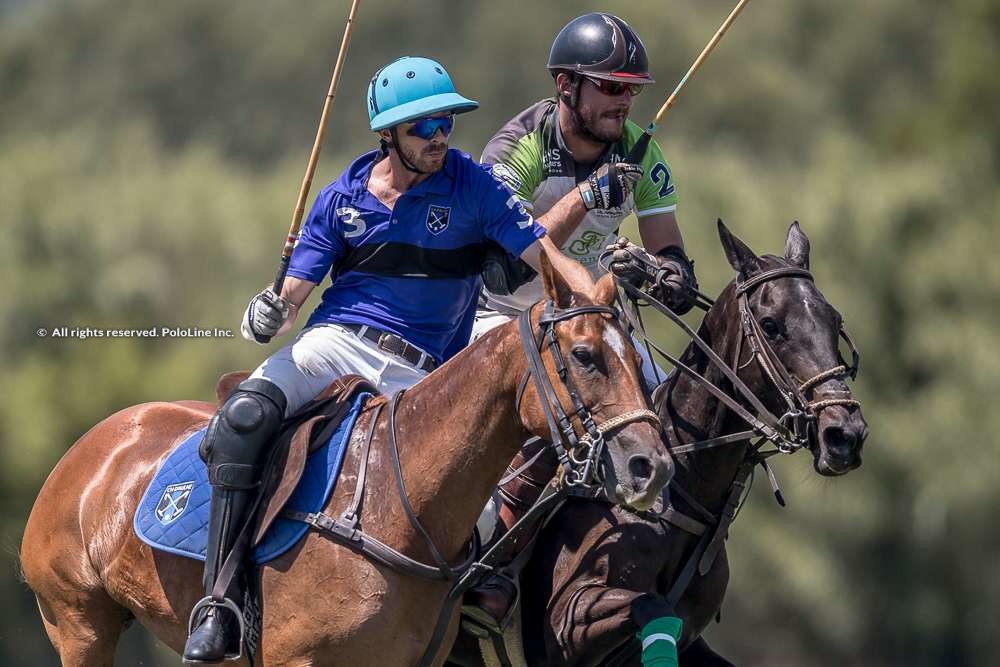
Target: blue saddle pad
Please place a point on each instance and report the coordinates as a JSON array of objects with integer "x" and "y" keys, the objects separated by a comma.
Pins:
[{"x": 173, "y": 513}]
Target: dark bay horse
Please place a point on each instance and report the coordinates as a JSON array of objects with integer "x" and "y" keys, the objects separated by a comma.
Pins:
[
  {"x": 599, "y": 573},
  {"x": 323, "y": 603}
]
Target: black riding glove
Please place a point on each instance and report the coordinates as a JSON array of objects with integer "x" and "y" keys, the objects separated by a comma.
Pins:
[
  {"x": 676, "y": 285},
  {"x": 610, "y": 185},
  {"x": 631, "y": 263},
  {"x": 502, "y": 273}
]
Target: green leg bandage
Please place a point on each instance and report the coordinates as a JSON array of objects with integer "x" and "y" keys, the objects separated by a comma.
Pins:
[{"x": 659, "y": 642}]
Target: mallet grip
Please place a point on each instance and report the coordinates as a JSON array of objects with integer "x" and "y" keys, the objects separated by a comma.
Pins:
[{"x": 279, "y": 280}]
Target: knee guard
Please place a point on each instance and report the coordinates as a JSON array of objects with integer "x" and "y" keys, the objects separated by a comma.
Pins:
[{"x": 240, "y": 431}]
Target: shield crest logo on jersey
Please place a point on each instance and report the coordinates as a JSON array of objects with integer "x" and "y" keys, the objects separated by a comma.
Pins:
[
  {"x": 173, "y": 502},
  {"x": 437, "y": 218}
]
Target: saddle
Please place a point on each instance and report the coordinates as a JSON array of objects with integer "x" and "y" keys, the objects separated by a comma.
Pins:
[{"x": 301, "y": 434}]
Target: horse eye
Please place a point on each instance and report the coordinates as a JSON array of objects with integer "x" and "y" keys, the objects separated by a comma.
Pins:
[
  {"x": 771, "y": 328},
  {"x": 583, "y": 355}
]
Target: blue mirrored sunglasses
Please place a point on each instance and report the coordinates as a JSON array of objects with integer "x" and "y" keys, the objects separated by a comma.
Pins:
[{"x": 425, "y": 128}]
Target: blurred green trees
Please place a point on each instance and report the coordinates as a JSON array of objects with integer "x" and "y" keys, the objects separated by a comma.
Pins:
[{"x": 149, "y": 161}]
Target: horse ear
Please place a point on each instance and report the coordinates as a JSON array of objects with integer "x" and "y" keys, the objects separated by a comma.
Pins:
[
  {"x": 606, "y": 291},
  {"x": 555, "y": 286},
  {"x": 797, "y": 246},
  {"x": 740, "y": 257}
]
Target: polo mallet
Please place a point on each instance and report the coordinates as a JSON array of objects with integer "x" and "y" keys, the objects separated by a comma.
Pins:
[
  {"x": 300, "y": 204},
  {"x": 635, "y": 155}
]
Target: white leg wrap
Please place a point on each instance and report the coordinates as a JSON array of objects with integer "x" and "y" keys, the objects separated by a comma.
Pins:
[{"x": 660, "y": 636}]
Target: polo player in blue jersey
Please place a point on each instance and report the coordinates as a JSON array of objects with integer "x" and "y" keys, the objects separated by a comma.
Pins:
[{"x": 402, "y": 234}]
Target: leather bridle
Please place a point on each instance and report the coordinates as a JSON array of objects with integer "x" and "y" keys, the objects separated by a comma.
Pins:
[
  {"x": 801, "y": 414},
  {"x": 578, "y": 455},
  {"x": 795, "y": 428}
]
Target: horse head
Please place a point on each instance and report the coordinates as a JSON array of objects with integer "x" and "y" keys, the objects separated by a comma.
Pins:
[
  {"x": 790, "y": 335},
  {"x": 591, "y": 394}
]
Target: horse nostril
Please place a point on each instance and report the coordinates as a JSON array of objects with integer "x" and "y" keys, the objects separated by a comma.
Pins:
[
  {"x": 839, "y": 439},
  {"x": 640, "y": 467}
]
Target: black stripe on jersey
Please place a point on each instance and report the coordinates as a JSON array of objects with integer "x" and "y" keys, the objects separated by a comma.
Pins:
[{"x": 409, "y": 261}]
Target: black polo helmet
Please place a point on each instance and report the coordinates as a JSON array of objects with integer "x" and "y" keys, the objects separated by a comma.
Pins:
[{"x": 602, "y": 46}]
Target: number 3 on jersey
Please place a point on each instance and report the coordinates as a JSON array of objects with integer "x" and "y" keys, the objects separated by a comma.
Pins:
[
  {"x": 660, "y": 173},
  {"x": 354, "y": 223}
]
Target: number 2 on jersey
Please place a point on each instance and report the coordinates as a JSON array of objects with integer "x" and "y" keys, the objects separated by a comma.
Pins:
[{"x": 660, "y": 173}]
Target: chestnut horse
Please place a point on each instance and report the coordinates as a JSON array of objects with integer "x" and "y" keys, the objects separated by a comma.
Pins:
[
  {"x": 323, "y": 603},
  {"x": 599, "y": 573}
]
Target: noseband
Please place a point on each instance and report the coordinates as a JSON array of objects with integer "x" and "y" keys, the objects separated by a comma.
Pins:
[
  {"x": 801, "y": 415},
  {"x": 578, "y": 455}
]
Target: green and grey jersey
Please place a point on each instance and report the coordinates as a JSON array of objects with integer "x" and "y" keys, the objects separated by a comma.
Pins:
[{"x": 528, "y": 154}]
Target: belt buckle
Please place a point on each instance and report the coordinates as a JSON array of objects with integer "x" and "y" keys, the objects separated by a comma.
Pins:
[{"x": 391, "y": 343}]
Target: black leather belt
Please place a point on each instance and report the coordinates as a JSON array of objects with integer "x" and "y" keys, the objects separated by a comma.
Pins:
[{"x": 393, "y": 344}]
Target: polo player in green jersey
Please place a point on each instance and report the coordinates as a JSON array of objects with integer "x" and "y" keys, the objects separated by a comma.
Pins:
[{"x": 568, "y": 159}]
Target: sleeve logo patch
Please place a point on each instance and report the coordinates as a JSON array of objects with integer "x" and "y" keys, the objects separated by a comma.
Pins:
[
  {"x": 507, "y": 176},
  {"x": 437, "y": 218}
]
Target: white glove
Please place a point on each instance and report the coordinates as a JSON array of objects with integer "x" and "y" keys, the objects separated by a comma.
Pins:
[{"x": 265, "y": 314}]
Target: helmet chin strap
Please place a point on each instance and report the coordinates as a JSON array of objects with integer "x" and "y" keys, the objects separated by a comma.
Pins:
[
  {"x": 402, "y": 158},
  {"x": 572, "y": 103},
  {"x": 583, "y": 129}
]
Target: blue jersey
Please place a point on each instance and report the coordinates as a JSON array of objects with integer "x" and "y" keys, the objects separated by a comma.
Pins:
[{"x": 414, "y": 270}]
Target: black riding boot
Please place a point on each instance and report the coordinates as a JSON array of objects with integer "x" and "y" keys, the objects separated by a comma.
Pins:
[{"x": 237, "y": 435}]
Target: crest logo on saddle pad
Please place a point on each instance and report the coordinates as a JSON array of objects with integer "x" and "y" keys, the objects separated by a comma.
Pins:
[
  {"x": 437, "y": 218},
  {"x": 173, "y": 502}
]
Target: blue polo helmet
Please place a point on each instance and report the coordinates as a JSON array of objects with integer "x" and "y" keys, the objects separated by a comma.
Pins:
[{"x": 410, "y": 88}]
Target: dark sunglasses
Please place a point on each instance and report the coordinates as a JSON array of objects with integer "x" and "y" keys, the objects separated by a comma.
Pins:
[
  {"x": 615, "y": 88},
  {"x": 425, "y": 128}
]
